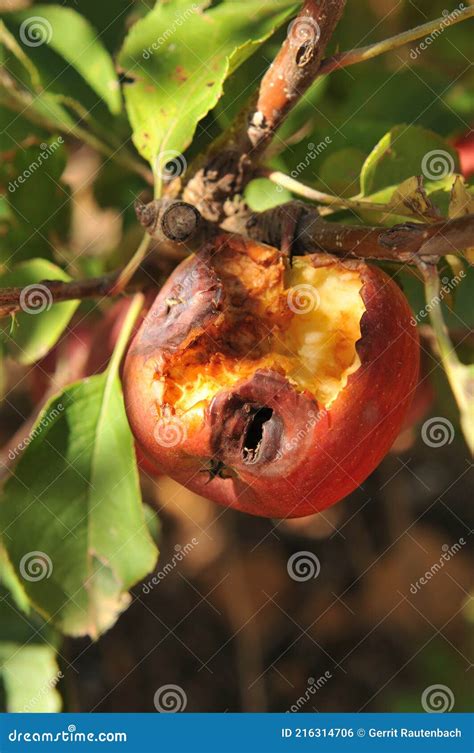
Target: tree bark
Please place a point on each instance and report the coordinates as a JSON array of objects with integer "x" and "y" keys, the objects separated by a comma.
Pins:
[
  {"x": 408, "y": 242},
  {"x": 230, "y": 164}
]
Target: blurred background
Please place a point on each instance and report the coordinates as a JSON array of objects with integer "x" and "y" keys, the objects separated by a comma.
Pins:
[
  {"x": 227, "y": 618},
  {"x": 230, "y": 626}
]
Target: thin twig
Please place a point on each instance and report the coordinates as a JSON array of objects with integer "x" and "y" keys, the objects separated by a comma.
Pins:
[
  {"x": 358, "y": 205},
  {"x": 361, "y": 54},
  {"x": 294, "y": 68},
  {"x": 169, "y": 219},
  {"x": 230, "y": 163},
  {"x": 408, "y": 242},
  {"x": 94, "y": 287},
  {"x": 126, "y": 274},
  {"x": 178, "y": 222}
]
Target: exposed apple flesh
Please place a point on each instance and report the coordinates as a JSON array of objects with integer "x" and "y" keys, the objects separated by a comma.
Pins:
[{"x": 271, "y": 389}]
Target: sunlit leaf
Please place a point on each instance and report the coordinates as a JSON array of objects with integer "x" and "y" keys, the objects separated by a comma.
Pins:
[
  {"x": 68, "y": 33},
  {"x": 403, "y": 152},
  {"x": 29, "y": 671},
  {"x": 76, "y": 486},
  {"x": 178, "y": 58}
]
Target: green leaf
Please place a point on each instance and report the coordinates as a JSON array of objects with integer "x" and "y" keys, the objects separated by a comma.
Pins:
[
  {"x": 411, "y": 195},
  {"x": 462, "y": 199},
  {"x": 179, "y": 58},
  {"x": 39, "y": 324},
  {"x": 52, "y": 106},
  {"x": 35, "y": 209},
  {"x": 111, "y": 27},
  {"x": 403, "y": 152},
  {"x": 152, "y": 522},
  {"x": 29, "y": 675},
  {"x": 74, "y": 502},
  {"x": 262, "y": 194},
  {"x": 340, "y": 171},
  {"x": 72, "y": 37},
  {"x": 28, "y": 669},
  {"x": 13, "y": 584},
  {"x": 11, "y": 44},
  {"x": 460, "y": 376}
]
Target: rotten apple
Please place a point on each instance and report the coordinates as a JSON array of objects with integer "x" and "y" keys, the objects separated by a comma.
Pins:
[{"x": 270, "y": 388}]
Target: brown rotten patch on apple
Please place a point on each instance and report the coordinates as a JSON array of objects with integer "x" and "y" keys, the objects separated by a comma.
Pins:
[{"x": 272, "y": 389}]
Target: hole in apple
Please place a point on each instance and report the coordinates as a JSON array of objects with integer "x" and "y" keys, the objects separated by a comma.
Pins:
[
  {"x": 254, "y": 434},
  {"x": 302, "y": 322}
]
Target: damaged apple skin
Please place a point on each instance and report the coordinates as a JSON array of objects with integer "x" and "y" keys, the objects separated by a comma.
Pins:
[{"x": 307, "y": 457}]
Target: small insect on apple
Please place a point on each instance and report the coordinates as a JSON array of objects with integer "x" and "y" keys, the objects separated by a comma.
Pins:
[{"x": 272, "y": 389}]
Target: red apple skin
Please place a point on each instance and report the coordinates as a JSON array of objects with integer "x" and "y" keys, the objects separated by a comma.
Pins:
[
  {"x": 305, "y": 464},
  {"x": 145, "y": 465},
  {"x": 465, "y": 148}
]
